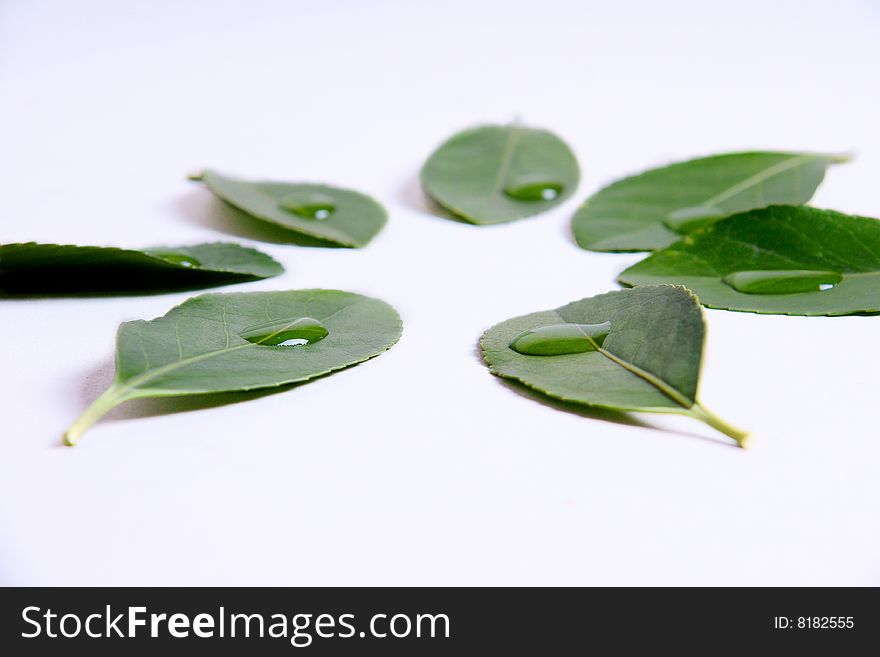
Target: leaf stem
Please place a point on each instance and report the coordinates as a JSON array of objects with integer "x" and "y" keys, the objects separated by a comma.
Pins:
[
  {"x": 113, "y": 396},
  {"x": 699, "y": 412}
]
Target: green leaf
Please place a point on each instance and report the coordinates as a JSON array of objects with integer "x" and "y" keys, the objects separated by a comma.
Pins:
[
  {"x": 235, "y": 342},
  {"x": 330, "y": 214},
  {"x": 32, "y": 268},
  {"x": 492, "y": 174},
  {"x": 783, "y": 260},
  {"x": 645, "y": 348},
  {"x": 653, "y": 209}
]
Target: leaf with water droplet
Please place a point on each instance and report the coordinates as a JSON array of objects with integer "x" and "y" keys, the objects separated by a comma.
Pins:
[
  {"x": 176, "y": 258},
  {"x": 645, "y": 351},
  {"x": 782, "y": 281},
  {"x": 297, "y": 331},
  {"x": 497, "y": 173},
  {"x": 58, "y": 269},
  {"x": 653, "y": 209},
  {"x": 232, "y": 342},
  {"x": 529, "y": 191},
  {"x": 308, "y": 205},
  {"x": 777, "y": 260},
  {"x": 560, "y": 339},
  {"x": 328, "y": 214}
]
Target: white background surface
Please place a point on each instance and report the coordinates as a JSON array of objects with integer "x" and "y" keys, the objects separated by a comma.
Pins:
[{"x": 419, "y": 467}]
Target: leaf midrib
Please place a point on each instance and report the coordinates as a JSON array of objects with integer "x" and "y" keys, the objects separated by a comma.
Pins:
[
  {"x": 655, "y": 381},
  {"x": 506, "y": 159},
  {"x": 757, "y": 178}
]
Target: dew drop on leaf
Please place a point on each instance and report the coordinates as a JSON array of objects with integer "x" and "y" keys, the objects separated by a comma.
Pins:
[
  {"x": 559, "y": 339},
  {"x": 308, "y": 205},
  {"x": 286, "y": 332},
  {"x": 534, "y": 190},
  {"x": 178, "y": 259},
  {"x": 785, "y": 281}
]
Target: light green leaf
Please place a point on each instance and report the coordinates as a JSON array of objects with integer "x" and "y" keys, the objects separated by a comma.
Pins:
[
  {"x": 492, "y": 174},
  {"x": 329, "y": 214},
  {"x": 31, "y": 268},
  {"x": 783, "y": 260},
  {"x": 654, "y": 209},
  {"x": 645, "y": 349},
  {"x": 235, "y": 342}
]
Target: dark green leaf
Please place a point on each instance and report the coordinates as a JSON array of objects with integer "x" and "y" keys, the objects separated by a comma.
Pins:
[
  {"x": 645, "y": 349},
  {"x": 32, "y": 268},
  {"x": 233, "y": 342},
  {"x": 652, "y": 210},
  {"x": 331, "y": 214},
  {"x": 784, "y": 260},
  {"x": 492, "y": 174}
]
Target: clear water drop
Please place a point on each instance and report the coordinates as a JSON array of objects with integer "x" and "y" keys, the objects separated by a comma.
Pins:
[
  {"x": 286, "y": 332},
  {"x": 559, "y": 339},
  {"x": 687, "y": 220},
  {"x": 308, "y": 205},
  {"x": 293, "y": 342},
  {"x": 534, "y": 190},
  {"x": 782, "y": 281},
  {"x": 177, "y": 258}
]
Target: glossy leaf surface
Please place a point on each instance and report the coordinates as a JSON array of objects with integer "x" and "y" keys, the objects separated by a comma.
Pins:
[
  {"x": 331, "y": 214},
  {"x": 653, "y": 209},
  {"x": 492, "y": 174},
  {"x": 226, "y": 342},
  {"x": 782, "y": 260},
  {"x": 649, "y": 360}
]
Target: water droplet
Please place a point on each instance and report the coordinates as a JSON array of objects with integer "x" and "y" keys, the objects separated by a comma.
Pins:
[
  {"x": 308, "y": 205},
  {"x": 558, "y": 339},
  {"x": 177, "y": 258},
  {"x": 286, "y": 332},
  {"x": 532, "y": 190},
  {"x": 687, "y": 220},
  {"x": 783, "y": 281}
]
